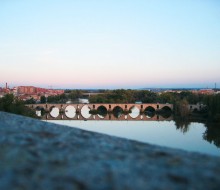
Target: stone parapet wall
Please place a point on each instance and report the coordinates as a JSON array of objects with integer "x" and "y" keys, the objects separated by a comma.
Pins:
[{"x": 41, "y": 155}]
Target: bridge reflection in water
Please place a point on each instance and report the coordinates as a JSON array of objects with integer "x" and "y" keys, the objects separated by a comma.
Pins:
[{"x": 151, "y": 112}]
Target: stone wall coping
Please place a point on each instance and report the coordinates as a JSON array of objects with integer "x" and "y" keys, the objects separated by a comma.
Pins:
[{"x": 41, "y": 155}]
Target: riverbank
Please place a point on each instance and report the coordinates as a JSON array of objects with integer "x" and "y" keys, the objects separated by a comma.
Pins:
[{"x": 40, "y": 155}]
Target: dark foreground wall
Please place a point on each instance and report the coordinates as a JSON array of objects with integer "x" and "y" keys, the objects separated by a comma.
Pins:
[{"x": 39, "y": 155}]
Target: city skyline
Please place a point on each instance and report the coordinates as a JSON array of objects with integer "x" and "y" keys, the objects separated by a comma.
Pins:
[
  {"x": 110, "y": 44},
  {"x": 50, "y": 87}
]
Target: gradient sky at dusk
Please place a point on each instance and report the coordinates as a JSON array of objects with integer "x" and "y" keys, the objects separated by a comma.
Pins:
[{"x": 110, "y": 43}]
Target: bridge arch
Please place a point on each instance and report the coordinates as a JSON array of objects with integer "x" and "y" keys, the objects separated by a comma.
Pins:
[
  {"x": 165, "y": 112},
  {"x": 134, "y": 111},
  {"x": 102, "y": 111},
  {"x": 117, "y": 111},
  {"x": 149, "y": 111},
  {"x": 70, "y": 111},
  {"x": 54, "y": 111},
  {"x": 110, "y": 107},
  {"x": 166, "y": 108},
  {"x": 40, "y": 111},
  {"x": 85, "y": 112}
]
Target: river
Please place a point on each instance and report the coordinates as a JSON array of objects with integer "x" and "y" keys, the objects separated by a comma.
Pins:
[
  {"x": 149, "y": 128},
  {"x": 189, "y": 137}
]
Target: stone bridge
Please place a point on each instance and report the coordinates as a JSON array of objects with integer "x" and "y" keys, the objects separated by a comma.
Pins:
[{"x": 63, "y": 111}]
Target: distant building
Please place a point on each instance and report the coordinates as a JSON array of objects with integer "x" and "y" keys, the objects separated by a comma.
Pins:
[
  {"x": 1, "y": 92},
  {"x": 204, "y": 91},
  {"x": 83, "y": 101},
  {"x": 138, "y": 102},
  {"x": 36, "y": 90},
  {"x": 26, "y": 90},
  {"x": 14, "y": 91},
  {"x": 196, "y": 107}
]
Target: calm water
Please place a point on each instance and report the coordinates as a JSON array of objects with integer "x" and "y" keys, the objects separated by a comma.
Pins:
[{"x": 190, "y": 137}]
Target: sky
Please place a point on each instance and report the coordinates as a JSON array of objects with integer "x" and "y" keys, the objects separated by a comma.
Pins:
[{"x": 110, "y": 43}]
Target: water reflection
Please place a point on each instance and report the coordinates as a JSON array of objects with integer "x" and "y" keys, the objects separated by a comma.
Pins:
[
  {"x": 54, "y": 112},
  {"x": 182, "y": 125},
  {"x": 70, "y": 112},
  {"x": 212, "y": 133},
  {"x": 88, "y": 112},
  {"x": 149, "y": 112},
  {"x": 117, "y": 112},
  {"x": 190, "y": 136},
  {"x": 85, "y": 112},
  {"x": 40, "y": 111},
  {"x": 102, "y": 111},
  {"x": 134, "y": 112}
]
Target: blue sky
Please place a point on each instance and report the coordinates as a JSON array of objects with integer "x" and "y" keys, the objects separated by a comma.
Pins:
[{"x": 110, "y": 44}]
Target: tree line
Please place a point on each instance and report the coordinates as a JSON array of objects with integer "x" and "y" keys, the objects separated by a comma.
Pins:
[
  {"x": 180, "y": 100},
  {"x": 10, "y": 103},
  {"x": 69, "y": 95}
]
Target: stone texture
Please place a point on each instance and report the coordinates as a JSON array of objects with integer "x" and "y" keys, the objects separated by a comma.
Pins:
[{"x": 40, "y": 155}]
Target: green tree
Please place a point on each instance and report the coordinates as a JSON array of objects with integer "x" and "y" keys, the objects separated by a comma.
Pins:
[
  {"x": 75, "y": 94},
  {"x": 43, "y": 99},
  {"x": 11, "y": 104},
  {"x": 182, "y": 108},
  {"x": 30, "y": 101}
]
